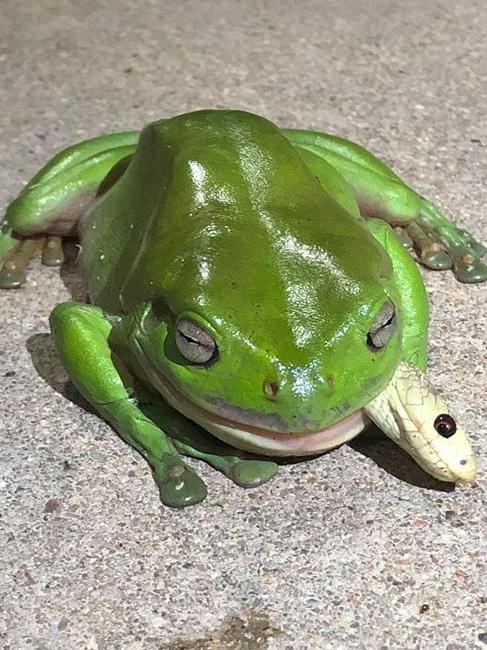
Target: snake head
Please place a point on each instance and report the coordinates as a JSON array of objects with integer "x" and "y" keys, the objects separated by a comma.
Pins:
[{"x": 413, "y": 415}]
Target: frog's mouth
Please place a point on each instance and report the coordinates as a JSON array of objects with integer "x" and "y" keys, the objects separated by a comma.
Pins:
[{"x": 255, "y": 438}]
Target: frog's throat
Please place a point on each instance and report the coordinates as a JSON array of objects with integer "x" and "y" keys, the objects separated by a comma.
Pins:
[
  {"x": 254, "y": 438},
  {"x": 406, "y": 411}
]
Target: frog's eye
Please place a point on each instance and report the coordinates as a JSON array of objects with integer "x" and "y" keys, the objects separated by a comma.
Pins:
[
  {"x": 383, "y": 328},
  {"x": 194, "y": 343}
]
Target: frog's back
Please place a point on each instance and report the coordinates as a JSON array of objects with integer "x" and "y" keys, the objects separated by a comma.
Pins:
[{"x": 213, "y": 195}]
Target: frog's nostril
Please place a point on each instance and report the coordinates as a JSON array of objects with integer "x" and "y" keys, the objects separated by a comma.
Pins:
[{"x": 271, "y": 388}]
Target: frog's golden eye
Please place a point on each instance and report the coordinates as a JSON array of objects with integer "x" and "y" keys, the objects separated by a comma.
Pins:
[
  {"x": 383, "y": 328},
  {"x": 194, "y": 343}
]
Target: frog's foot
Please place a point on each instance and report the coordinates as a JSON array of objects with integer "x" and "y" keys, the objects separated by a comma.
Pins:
[
  {"x": 16, "y": 252},
  {"x": 439, "y": 244},
  {"x": 243, "y": 470},
  {"x": 379, "y": 192},
  {"x": 179, "y": 486},
  {"x": 250, "y": 473},
  {"x": 191, "y": 440},
  {"x": 83, "y": 338},
  {"x": 429, "y": 251},
  {"x": 411, "y": 413}
]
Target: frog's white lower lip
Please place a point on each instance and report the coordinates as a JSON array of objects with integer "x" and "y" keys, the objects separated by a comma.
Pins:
[
  {"x": 297, "y": 443},
  {"x": 257, "y": 439}
]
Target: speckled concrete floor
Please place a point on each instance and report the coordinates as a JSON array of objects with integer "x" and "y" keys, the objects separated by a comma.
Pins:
[{"x": 356, "y": 549}]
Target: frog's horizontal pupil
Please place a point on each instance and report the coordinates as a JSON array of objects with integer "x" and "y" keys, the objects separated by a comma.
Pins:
[
  {"x": 381, "y": 336},
  {"x": 383, "y": 328},
  {"x": 195, "y": 344},
  {"x": 445, "y": 425},
  {"x": 189, "y": 339}
]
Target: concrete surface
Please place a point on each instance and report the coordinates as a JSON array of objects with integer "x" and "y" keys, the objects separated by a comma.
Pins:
[{"x": 356, "y": 549}]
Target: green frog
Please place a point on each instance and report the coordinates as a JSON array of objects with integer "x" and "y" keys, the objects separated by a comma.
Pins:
[{"x": 252, "y": 295}]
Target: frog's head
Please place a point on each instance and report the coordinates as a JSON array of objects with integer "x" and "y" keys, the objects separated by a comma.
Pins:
[{"x": 272, "y": 344}]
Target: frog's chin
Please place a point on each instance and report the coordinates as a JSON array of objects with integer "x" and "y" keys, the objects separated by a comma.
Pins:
[
  {"x": 263, "y": 441},
  {"x": 254, "y": 438}
]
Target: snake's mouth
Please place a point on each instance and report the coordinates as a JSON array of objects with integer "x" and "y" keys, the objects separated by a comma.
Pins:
[{"x": 256, "y": 438}]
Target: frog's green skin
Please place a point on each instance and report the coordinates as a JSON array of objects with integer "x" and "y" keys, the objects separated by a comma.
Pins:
[{"x": 257, "y": 235}]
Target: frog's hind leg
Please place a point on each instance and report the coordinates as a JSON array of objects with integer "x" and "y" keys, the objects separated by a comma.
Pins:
[
  {"x": 51, "y": 204},
  {"x": 438, "y": 243},
  {"x": 190, "y": 440},
  {"x": 82, "y": 334}
]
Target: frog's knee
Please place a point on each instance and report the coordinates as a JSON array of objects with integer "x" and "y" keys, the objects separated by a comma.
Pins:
[{"x": 28, "y": 214}]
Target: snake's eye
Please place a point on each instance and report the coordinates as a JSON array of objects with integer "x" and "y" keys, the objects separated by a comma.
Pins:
[
  {"x": 383, "y": 328},
  {"x": 445, "y": 425},
  {"x": 195, "y": 343}
]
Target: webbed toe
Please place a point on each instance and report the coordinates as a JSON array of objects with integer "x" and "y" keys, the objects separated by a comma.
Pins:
[
  {"x": 179, "y": 486},
  {"x": 251, "y": 473}
]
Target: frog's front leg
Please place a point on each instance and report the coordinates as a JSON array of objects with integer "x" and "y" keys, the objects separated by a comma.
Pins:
[
  {"x": 189, "y": 439},
  {"x": 81, "y": 334},
  {"x": 439, "y": 244}
]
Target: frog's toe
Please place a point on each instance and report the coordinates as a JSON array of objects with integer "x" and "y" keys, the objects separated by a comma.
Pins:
[
  {"x": 14, "y": 271},
  {"x": 53, "y": 254},
  {"x": 430, "y": 251},
  {"x": 9, "y": 244},
  {"x": 251, "y": 473},
  {"x": 476, "y": 247},
  {"x": 12, "y": 278},
  {"x": 436, "y": 258},
  {"x": 469, "y": 269},
  {"x": 466, "y": 254},
  {"x": 179, "y": 486},
  {"x": 464, "y": 251}
]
